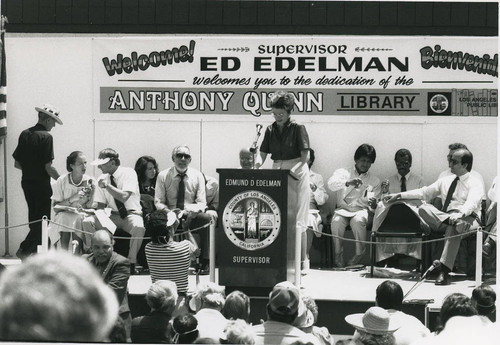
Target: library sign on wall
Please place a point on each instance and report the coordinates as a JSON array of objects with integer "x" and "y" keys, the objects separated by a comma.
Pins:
[{"x": 425, "y": 76}]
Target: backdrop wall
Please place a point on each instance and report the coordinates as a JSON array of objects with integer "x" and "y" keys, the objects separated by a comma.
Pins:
[{"x": 59, "y": 70}]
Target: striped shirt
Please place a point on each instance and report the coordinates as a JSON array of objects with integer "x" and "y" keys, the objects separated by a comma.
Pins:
[{"x": 170, "y": 262}]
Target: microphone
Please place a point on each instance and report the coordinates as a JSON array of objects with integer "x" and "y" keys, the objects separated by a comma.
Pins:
[
  {"x": 74, "y": 246},
  {"x": 258, "y": 128},
  {"x": 435, "y": 264}
]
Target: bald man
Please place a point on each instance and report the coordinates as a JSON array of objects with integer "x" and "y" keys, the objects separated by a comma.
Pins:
[{"x": 114, "y": 270}]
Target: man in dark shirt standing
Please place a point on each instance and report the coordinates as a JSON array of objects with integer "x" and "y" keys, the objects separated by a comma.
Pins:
[{"x": 34, "y": 155}]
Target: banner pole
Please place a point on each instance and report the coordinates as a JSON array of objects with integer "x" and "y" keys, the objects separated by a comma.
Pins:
[{"x": 6, "y": 254}]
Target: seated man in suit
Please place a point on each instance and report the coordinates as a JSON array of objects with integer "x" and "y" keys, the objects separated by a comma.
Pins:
[
  {"x": 462, "y": 193},
  {"x": 399, "y": 215},
  {"x": 114, "y": 270},
  {"x": 182, "y": 189},
  {"x": 354, "y": 187}
]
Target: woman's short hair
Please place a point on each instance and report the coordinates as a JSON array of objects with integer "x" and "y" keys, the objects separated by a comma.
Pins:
[
  {"x": 156, "y": 225},
  {"x": 282, "y": 100},
  {"x": 455, "y": 304},
  {"x": 184, "y": 329},
  {"x": 237, "y": 306},
  {"x": 239, "y": 332},
  {"x": 483, "y": 299},
  {"x": 55, "y": 297},
  {"x": 142, "y": 165},
  {"x": 365, "y": 150},
  {"x": 162, "y": 296},
  {"x": 71, "y": 159}
]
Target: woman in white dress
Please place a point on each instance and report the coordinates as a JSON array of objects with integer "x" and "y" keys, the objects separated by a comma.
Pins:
[{"x": 72, "y": 196}]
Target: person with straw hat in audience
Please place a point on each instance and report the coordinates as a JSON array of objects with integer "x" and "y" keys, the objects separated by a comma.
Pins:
[{"x": 373, "y": 327}]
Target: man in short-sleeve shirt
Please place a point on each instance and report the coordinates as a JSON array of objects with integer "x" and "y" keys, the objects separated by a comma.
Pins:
[
  {"x": 119, "y": 190},
  {"x": 33, "y": 155}
]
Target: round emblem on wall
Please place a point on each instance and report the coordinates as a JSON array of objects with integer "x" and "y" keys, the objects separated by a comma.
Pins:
[
  {"x": 439, "y": 103},
  {"x": 252, "y": 220}
]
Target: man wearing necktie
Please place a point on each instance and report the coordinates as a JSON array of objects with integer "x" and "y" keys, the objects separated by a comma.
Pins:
[
  {"x": 402, "y": 215},
  {"x": 119, "y": 190},
  {"x": 462, "y": 194},
  {"x": 182, "y": 189}
]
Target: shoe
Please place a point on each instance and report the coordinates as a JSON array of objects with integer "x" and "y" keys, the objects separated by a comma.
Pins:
[
  {"x": 339, "y": 261},
  {"x": 488, "y": 247},
  {"x": 443, "y": 277},
  {"x": 133, "y": 270},
  {"x": 306, "y": 267},
  {"x": 356, "y": 259}
]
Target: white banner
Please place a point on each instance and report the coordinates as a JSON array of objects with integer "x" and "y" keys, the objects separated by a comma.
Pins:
[{"x": 329, "y": 75}]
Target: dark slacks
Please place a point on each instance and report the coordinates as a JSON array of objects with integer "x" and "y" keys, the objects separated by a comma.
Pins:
[{"x": 37, "y": 194}]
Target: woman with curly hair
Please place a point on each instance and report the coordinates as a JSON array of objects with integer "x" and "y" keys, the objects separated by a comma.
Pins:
[{"x": 288, "y": 144}]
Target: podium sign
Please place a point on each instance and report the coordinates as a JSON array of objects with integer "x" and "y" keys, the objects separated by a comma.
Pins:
[{"x": 256, "y": 242}]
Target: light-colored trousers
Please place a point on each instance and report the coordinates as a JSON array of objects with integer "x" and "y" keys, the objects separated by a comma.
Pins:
[
  {"x": 133, "y": 224},
  {"x": 358, "y": 225},
  {"x": 435, "y": 219}
]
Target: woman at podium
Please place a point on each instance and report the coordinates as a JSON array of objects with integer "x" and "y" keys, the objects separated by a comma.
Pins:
[{"x": 288, "y": 144}]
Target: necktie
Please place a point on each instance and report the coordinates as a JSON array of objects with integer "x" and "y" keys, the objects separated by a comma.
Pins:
[
  {"x": 119, "y": 205},
  {"x": 181, "y": 192},
  {"x": 453, "y": 186},
  {"x": 403, "y": 184}
]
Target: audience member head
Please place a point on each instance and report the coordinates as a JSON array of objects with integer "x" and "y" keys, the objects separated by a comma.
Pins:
[
  {"x": 375, "y": 326},
  {"x": 364, "y": 157},
  {"x": 107, "y": 161},
  {"x": 237, "y": 306},
  {"x": 311, "y": 305},
  {"x": 239, "y": 332},
  {"x": 246, "y": 158},
  {"x": 184, "y": 329},
  {"x": 483, "y": 299},
  {"x": 55, "y": 297},
  {"x": 162, "y": 296},
  {"x": 181, "y": 156},
  {"x": 208, "y": 295},
  {"x": 455, "y": 304},
  {"x": 284, "y": 303},
  {"x": 305, "y": 319},
  {"x": 146, "y": 169},
  {"x": 161, "y": 224},
  {"x": 453, "y": 147},
  {"x": 118, "y": 333},
  {"x": 460, "y": 162},
  {"x": 403, "y": 160},
  {"x": 389, "y": 295},
  {"x": 76, "y": 161},
  {"x": 101, "y": 244},
  {"x": 312, "y": 158}
]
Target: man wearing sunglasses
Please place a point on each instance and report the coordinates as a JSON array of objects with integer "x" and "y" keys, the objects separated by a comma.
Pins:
[
  {"x": 399, "y": 215},
  {"x": 182, "y": 189},
  {"x": 462, "y": 193}
]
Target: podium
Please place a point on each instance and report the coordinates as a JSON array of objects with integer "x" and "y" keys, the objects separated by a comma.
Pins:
[{"x": 255, "y": 245}]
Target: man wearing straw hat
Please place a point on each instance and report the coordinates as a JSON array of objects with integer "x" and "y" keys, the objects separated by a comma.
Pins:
[{"x": 33, "y": 156}]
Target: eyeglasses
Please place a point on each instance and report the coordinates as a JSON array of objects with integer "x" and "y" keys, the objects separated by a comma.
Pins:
[
  {"x": 453, "y": 161},
  {"x": 402, "y": 164},
  {"x": 183, "y": 155}
]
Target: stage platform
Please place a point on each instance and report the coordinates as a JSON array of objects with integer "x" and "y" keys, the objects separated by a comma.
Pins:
[{"x": 337, "y": 293}]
